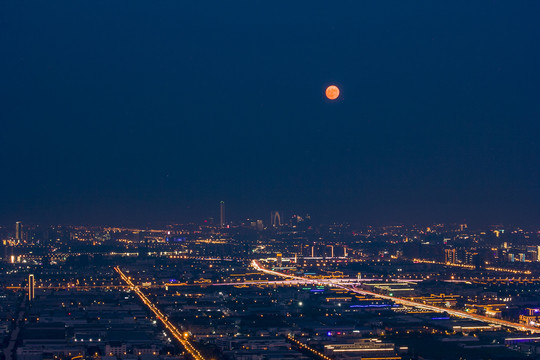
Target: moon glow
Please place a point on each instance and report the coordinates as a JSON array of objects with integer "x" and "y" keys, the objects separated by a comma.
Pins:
[{"x": 332, "y": 92}]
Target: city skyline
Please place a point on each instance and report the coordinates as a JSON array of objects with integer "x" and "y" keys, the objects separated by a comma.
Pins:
[
  {"x": 284, "y": 289},
  {"x": 243, "y": 216}
]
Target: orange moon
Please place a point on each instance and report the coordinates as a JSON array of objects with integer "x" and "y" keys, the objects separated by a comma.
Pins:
[{"x": 332, "y": 92}]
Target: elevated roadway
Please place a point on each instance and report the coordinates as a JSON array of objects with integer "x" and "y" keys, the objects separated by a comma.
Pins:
[{"x": 404, "y": 302}]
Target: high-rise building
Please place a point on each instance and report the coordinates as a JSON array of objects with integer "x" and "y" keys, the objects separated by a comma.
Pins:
[
  {"x": 222, "y": 214},
  {"x": 31, "y": 287},
  {"x": 450, "y": 256},
  {"x": 18, "y": 231},
  {"x": 279, "y": 259},
  {"x": 471, "y": 257}
]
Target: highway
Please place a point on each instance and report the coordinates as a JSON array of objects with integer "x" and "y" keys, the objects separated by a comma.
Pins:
[
  {"x": 307, "y": 281},
  {"x": 409, "y": 303},
  {"x": 177, "y": 334}
]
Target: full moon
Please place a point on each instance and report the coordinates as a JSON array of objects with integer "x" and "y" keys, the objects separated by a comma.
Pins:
[{"x": 332, "y": 92}]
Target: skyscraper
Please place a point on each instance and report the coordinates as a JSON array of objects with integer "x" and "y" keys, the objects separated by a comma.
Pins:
[
  {"x": 222, "y": 214},
  {"x": 18, "y": 231},
  {"x": 31, "y": 286}
]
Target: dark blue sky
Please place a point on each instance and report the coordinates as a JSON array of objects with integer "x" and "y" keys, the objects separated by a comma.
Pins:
[{"x": 136, "y": 111}]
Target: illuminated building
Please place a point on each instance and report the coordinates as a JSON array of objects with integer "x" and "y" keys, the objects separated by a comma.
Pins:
[
  {"x": 31, "y": 287},
  {"x": 468, "y": 327},
  {"x": 18, "y": 231},
  {"x": 279, "y": 258},
  {"x": 450, "y": 256},
  {"x": 471, "y": 257},
  {"x": 391, "y": 288},
  {"x": 531, "y": 317},
  {"x": 362, "y": 348},
  {"x": 222, "y": 214}
]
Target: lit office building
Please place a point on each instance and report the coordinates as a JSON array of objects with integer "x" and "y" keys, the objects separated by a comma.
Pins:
[
  {"x": 18, "y": 231},
  {"x": 31, "y": 287}
]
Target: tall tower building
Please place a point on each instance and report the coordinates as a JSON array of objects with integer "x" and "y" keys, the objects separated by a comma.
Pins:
[
  {"x": 222, "y": 214},
  {"x": 31, "y": 287},
  {"x": 18, "y": 231}
]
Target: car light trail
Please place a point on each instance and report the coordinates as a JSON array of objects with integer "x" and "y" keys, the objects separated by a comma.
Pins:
[
  {"x": 397, "y": 300},
  {"x": 304, "y": 281},
  {"x": 177, "y": 334}
]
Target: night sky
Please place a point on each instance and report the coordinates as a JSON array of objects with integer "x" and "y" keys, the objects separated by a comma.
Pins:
[{"x": 143, "y": 111}]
